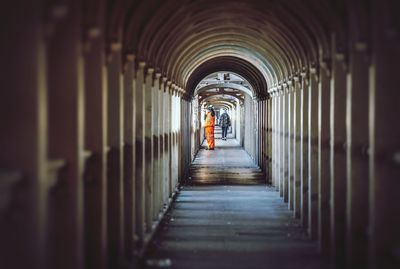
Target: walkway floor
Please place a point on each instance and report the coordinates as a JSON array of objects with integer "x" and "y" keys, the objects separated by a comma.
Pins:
[{"x": 228, "y": 218}]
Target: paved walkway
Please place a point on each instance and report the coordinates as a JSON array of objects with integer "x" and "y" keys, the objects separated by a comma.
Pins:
[{"x": 228, "y": 218}]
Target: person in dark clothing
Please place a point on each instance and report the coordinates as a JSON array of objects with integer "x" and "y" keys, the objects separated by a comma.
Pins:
[{"x": 225, "y": 122}]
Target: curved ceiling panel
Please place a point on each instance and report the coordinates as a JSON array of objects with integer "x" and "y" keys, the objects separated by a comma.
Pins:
[
  {"x": 231, "y": 64},
  {"x": 224, "y": 85},
  {"x": 267, "y": 42}
]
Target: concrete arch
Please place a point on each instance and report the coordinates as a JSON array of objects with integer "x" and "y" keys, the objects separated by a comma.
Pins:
[{"x": 224, "y": 85}]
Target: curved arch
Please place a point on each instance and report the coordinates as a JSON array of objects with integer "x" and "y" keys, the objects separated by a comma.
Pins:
[
  {"x": 182, "y": 38},
  {"x": 224, "y": 85},
  {"x": 231, "y": 64}
]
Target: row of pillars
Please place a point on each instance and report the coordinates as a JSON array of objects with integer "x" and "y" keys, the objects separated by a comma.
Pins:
[
  {"x": 91, "y": 148},
  {"x": 334, "y": 154}
]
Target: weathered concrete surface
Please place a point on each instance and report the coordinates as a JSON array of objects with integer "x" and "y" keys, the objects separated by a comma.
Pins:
[{"x": 227, "y": 218}]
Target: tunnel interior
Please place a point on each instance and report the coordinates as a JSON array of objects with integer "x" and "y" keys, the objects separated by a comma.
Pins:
[{"x": 102, "y": 112}]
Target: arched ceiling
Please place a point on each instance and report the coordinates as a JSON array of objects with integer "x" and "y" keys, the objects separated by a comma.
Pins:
[
  {"x": 239, "y": 88},
  {"x": 265, "y": 41}
]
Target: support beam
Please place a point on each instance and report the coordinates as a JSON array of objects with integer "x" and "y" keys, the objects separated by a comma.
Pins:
[
  {"x": 139, "y": 170},
  {"x": 66, "y": 140},
  {"x": 323, "y": 161},
  {"x": 96, "y": 167},
  {"x": 297, "y": 148},
  {"x": 129, "y": 158},
  {"x": 357, "y": 160},
  {"x": 24, "y": 138},
  {"x": 115, "y": 177},
  {"x": 148, "y": 148},
  {"x": 156, "y": 146},
  {"x": 305, "y": 149},
  {"x": 384, "y": 133},
  {"x": 290, "y": 149},
  {"x": 338, "y": 163},
  {"x": 313, "y": 157}
]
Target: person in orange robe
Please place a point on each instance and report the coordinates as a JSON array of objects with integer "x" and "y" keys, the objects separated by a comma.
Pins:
[{"x": 209, "y": 128}]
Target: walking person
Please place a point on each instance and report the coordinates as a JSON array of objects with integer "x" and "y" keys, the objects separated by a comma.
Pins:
[
  {"x": 209, "y": 128},
  {"x": 225, "y": 122}
]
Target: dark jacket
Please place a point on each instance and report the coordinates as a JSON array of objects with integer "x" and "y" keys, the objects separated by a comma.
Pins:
[{"x": 224, "y": 120}]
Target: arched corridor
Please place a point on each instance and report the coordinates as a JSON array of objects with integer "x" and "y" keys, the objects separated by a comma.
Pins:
[{"x": 102, "y": 115}]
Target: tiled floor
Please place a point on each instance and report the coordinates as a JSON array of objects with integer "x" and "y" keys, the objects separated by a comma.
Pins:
[{"x": 228, "y": 218}]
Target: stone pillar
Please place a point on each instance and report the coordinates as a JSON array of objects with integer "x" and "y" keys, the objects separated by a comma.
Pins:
[
  {"x": 297, "y": 169},
  {"x": 284, "y": 144},
  {"x": 168, "y": 113},
  {"x": 323, "y": 160},
  {"x": 66, "y": 139},
  {"x": 262, "y": 137},
  {"x": 271, "y": 126},
  {"x": 172, "y": 130},
  {"x": 23, "y": 138},
  {"x": 280, "y": 143},
  {"x": 274, "y": 156},
  {"x": 384, "y": 133},
  {"x": 277, "y": 156},
  {"x": 148, "y": 147},
  {"x": 129, "y": 157},
  {"x": 156, "y": 146},
  {"x": 313, "y": 156},
  {"x": 166, "y": 140},
  {"x": 357, "y": 159},
  {"x": 139, "y": 170},
  {"x": 96, "y": 142},
  {"x": 305, "y": 149},
  {"x": 115, "y": 194},
  {"x": 338, "y": 162},
  {"x": 161, "y": 131},
  {"x": 290, "y": 145}
]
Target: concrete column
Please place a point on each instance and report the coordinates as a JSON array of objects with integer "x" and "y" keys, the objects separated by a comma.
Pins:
[
  {"x": 178, "y": 135},
  {"x": 156, "y": 146},
  {"x": 290, "y": 146},
  {"x": 284, "y": 144},
  {"x": 297, "y": 169},
  {"x": 260, "y": 135},
  {"x": 172, "y": 130},
  {"x": 161, "y": 131},
  {"x": 357, "y": 159},
  {"x": 166, "y": 141},
  {"x": 274, "y": 156},
  {"x": 338, "y": 162},
  {"x": 304, "y": 163},
  {"x": 267, "y": 141},
  {"x": 66, "y": 140},
  {"x": 384, "y": 133},
  {"x": 323, "y": 161},
  {"x": 271, "y": 146},
  {"x": 280, "y": 143},
  {"x": 129, "y": 157},
  {"x": 271, "y": 130},
  {"x": 115, "y": 194},
  {"x": 276, "y": 142},
  {"x": 168, "y": 189},
  {"x": 96, "y": 142},
  {"x": 264, "y": 137},
  {"x": 148, "y": 147},
  {"x": 23, "y": 100},
  {"x": 313, "y": 157},
  {"x": 139, "y": 154}
]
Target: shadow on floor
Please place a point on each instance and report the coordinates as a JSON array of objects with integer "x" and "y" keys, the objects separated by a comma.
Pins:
[{"x": 226, "y": 217}]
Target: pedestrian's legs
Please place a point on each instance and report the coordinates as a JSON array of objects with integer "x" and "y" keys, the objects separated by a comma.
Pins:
[{"x": 224, "y": 132}]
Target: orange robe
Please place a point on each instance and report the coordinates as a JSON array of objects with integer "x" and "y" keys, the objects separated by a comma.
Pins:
[{"x": 209, "y": 130}]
